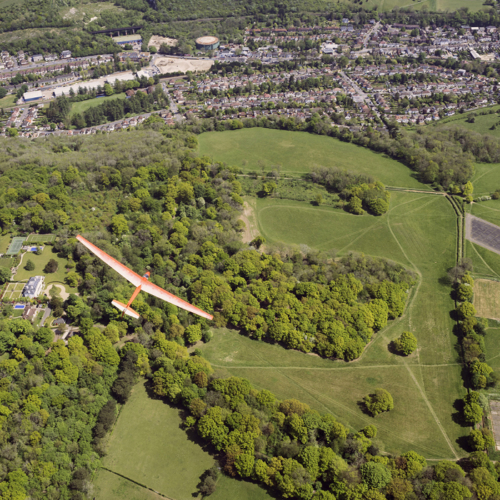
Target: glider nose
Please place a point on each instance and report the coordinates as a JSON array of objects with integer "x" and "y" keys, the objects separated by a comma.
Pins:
[{"x": 147, "y": 275}]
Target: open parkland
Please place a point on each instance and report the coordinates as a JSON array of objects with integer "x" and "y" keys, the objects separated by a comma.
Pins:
[{"x": 157, "y": 459}]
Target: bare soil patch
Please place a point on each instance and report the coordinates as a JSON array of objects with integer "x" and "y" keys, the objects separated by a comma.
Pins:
[
  {"x": 173, "y": 64},
  {"x": 487, "y": 299},
  {"x": 249, "y": 218},
  {"x": 157, "y": 41}
]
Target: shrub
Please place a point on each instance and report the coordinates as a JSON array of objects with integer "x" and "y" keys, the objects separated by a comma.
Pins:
[
  {"x": 379, "y": 402},
  {"x": 406, "y": 343},
  {"x": 51, "y": 266}
]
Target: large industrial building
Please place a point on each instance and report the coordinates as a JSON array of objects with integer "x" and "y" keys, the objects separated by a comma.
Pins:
[
  {"x": 127, "y": 39},
  {"x": 207, "y": 43},
  {"x": 32, "y": 96}
]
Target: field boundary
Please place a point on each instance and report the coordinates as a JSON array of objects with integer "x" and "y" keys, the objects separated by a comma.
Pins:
[{"x": 136, "y": 482}]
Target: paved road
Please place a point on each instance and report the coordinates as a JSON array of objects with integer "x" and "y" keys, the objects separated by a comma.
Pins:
[
  {"x": 359, "y": 92},
  {"x": 46, "y": 314}
]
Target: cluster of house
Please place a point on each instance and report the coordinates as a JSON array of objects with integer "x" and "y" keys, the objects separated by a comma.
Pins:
[
  {"x": 24, "y": 118},
  {"x": 8, "y": 72},
  {"x": 43, "y": 131},
  {"x": 389, "y": 40},
  {"x": 216, "y": 92},
  {"x": 22, "y": 59}
]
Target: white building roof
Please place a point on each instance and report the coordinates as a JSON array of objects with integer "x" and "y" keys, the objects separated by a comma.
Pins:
[{"x": 35, "y": 94}]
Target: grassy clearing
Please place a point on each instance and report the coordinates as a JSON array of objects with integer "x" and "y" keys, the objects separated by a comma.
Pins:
[
  {"x": 485, "y": 264},
  {"x": 418, "y": 231},
  {"x": 299, "y": 152},
  {"x": 6, "y": 262},
  {"x": 492, "y": 343},
  {"x": 109, "y": 486},
  {"x": 231, "y": 489},
  {"x": 8, "y": 101},
  {"x": 82, "y": 106},
  {"x": 482, "y": 123},
  {"x": 486, "y": 178},
  {"x": 487, "y": 298},
  {"x": 4, "y": 243},
  {"x": 86, "y": 11},
  {"x": 160, "y": 454},
  {"x": 40, "y": 261}
]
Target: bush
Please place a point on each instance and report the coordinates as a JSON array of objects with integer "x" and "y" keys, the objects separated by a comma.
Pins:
[
  {"x": 406, "y": 343},
  {"x": 379, "y": 402},
  {"x": 51, "y": 266},
  {"x": 29, "y": 265}
]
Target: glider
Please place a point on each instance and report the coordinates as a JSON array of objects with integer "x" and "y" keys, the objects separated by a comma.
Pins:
[{"x": 141, "y": 282}]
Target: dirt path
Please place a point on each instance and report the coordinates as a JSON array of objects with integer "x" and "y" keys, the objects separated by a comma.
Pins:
[
  {"x": 62, "y": 291},
  {"x": 249, "y": 218}
]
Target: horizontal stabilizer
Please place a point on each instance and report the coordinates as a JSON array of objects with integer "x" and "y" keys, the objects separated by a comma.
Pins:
[{"x": 128, "y": 310}]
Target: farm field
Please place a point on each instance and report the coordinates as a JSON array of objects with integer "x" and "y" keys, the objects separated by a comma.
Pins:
[
  {"x": 426, "y": 384},
  {"x": 299, "y": 152},
  {"x": 40, "y": 261},
  {"x": 82, "y": 106},
  {"x": 143, "y": 452}
]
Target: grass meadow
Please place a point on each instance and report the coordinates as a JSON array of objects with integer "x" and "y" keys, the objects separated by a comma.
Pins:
[
  {"x": 40, "y": 261},
  {"x": 299, "y": 152},
  {"x": 8, "y": 101},
  {"x": 487, "y": 299},
  {"x": 109, "y": 486},
  {"x": 482, "y": 123},
  {"x": 149, "y": 446},
  {"x": 486, "y": 178},
  {"x": 82, "y": 106},
  {"x": 486, "y": 264},
  {"x": 419, "y": 231}
]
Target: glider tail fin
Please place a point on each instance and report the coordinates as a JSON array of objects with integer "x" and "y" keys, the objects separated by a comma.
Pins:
[{"x": 126, "y": 310}]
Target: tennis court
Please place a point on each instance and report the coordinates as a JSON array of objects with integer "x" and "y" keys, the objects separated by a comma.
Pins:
[
  {"x": 40, "y": 238},
  {"x": 15, "y": 246}
]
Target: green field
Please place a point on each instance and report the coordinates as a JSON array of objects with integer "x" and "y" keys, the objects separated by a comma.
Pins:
[
  {"x": 4, "y": 243},
  {"x": 486, "y": 178},
  {"x": 86, "y": 11},
  {"x": 40, "y": 261},
  {"x": 8, "y": 101},
  {"x": 419, "y": 231},
  {"x": 40, "y": 238},
  {"x": 82, "y": 106},
  {"x": 482, "y": 123},
  {"x": 149, "y": 446},
  {"x": 486, "y": 264},
  {"x": 110, "y": 486},
  {"x": 299, "y": 152}
]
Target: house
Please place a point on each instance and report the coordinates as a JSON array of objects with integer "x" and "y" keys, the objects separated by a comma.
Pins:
[
  {"x": 37, "y": 58},
  {"x": 34, "y": 287},
  {"x": 65, "y": 54},
  {"x": 50, "y": 57}
]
